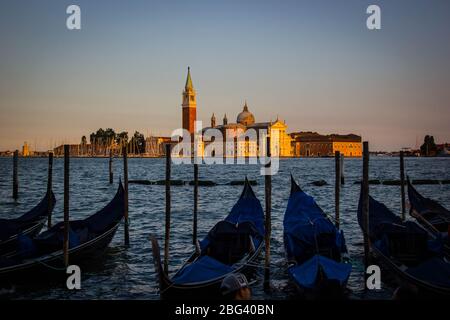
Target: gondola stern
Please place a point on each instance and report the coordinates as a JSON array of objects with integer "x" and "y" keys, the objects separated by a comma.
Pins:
[
  {"x": 163, "y": 279},
  {"x": 248, "y": 190},
  {"x": 294, "y": 186}
]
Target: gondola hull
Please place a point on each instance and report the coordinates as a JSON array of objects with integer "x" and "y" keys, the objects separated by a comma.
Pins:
[
  {"x": 42, "y": 258},
  {"x": 401, "y": 250},
  {"x": 10, "y": 245},
  {"x": 314, "y": 248},
  {"x": 52, "y": 266},
  {"x": 421, "y": 288},
  {"x": 208, "y": 290},
  {"x": 231, "y": 246},
  {"x": 29, "y": 224}
]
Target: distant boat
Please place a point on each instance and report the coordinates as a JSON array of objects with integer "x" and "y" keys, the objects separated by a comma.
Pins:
[
  {"x": 314, "y": 247},
  {"x": 42, "y": 257},
  {"x": 407, "y": 251},
  {"x": 29, "y": 224},
  {"x": 231, "y": 246}
]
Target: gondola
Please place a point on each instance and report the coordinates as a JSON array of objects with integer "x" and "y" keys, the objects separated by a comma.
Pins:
[
  {"x": 428, "y": 212},
  {"x": 42, "y": 256},
  {"x": 29, "y": 224},
  {"x": 315, "y": 249},
  {"x": 232, "y": 245},
  {"x": 432, "y": 216},
  {"x": 406, "y": 250}
]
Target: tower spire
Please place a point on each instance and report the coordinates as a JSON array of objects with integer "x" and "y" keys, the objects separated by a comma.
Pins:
[
  {"x": 189, "y": 104},
  {"x": 189, "y": 86}
]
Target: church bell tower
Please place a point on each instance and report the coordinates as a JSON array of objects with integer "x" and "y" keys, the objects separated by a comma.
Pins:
[{"x": 189, "y": 104}]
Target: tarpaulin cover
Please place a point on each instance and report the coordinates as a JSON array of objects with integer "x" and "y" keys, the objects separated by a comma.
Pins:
[
  {"x": 247, "y": 209},
  {"x": 306, "y": 273},
  {"x": 204, "y": 268},
  {"x": 304, "y": 220}
]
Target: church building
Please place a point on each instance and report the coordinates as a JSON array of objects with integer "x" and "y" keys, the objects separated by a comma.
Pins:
[{"x": 240, "y": 144}]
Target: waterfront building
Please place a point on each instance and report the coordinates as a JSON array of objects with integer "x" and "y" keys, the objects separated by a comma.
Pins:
[
  {"x": 313, "y": 144},
  {"x": 26, "y": 150}
]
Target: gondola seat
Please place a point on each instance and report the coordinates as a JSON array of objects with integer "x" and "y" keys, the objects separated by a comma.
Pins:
[
  {"x": 406, "y": 242},
  {"x": 228, "y": 242}
]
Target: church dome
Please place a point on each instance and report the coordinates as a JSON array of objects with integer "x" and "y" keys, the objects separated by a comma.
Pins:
[{"x": 245, "y": 117}]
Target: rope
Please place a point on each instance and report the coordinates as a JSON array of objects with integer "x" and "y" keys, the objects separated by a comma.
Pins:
[{"x": 51, "y": 267}]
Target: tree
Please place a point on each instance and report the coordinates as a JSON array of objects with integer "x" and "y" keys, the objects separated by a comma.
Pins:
[
  {"x": 137, "y": 143},
  {"x": 122, "y": 138},
  {"x": 428, "y": 148}
]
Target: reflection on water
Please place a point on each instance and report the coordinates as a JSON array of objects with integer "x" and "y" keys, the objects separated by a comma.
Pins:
[{"x": 128, "y": 273}]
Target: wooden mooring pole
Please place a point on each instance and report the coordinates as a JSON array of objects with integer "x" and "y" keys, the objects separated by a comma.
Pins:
[
  {"x": 168, "y": 200},
  {"x": 194, "y": 229},
  {"x": 337, "y": 188},
  {"x": 110, "y": 166},
  {"x": 49, "y": 190},
  {"x": 365, "y": 204},
  {"x": 125, "y": 186},
  {"x": 66, "y": 204},
  {"x": 268, "y": 218},
  {"x": 402, "y": 183},
  {"x": 342, "y": 169},
  {"x": 15, "y": 193}
]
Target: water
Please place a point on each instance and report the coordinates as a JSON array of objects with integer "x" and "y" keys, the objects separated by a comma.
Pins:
[{"x": 128, "y": 273}]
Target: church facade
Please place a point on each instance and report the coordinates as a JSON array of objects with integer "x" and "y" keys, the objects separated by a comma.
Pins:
[{"x": 243, "y": 138}]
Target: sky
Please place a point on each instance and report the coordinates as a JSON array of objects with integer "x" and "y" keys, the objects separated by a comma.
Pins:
[{"x": 312, "y": 63}]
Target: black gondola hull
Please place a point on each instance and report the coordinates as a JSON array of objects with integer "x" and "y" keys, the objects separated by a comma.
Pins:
[
  {"x": 10, "y": 245},
  {"x": 51, "y": 267},
  {"x": 422, "y": 289},
  {"x": 206, "y": 290}
]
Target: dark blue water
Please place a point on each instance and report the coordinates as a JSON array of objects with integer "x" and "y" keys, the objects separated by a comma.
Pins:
[{"x": 128, "y": 273}]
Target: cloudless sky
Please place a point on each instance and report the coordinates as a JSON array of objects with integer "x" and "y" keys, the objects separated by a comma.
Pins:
[{"x": 312, "y": 63}]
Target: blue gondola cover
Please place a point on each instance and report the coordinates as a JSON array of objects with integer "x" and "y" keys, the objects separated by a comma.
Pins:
[
  {"x": 306, "y": 273},
  {"x": 204, "y": 268}
]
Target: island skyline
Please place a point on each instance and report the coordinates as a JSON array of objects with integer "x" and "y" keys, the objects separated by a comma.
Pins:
[{"x": 314, "y": 65}]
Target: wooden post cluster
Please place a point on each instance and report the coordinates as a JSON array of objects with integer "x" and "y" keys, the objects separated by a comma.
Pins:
[
  {"x": 15, "y": 175},
  {"x": 337, "y": 189},
  {"x": 168, "y": 204},
  {"x": 110, "y": 167},
  {"x": 125, "y": 186},
  {"x": 194, "y": 229},
  {"x": 66, "y": 204},
  {"x": 365, "y": 203},
  {"x": 402, "y": 183},
  {"x": 49, "y": 189},
  {"x": 268, "y": 218}
]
